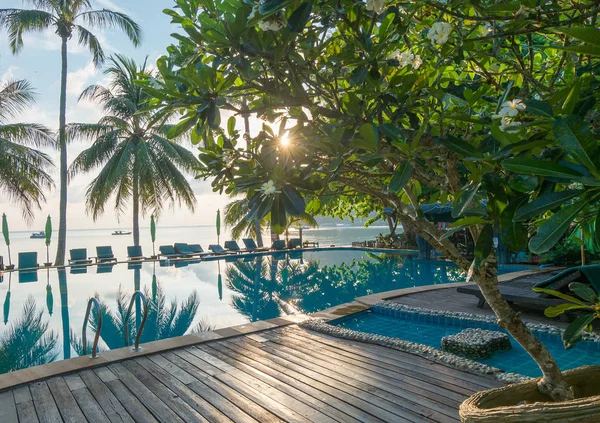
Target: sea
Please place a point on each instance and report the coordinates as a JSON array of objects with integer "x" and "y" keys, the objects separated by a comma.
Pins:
[{"x": 204, "y": 235}]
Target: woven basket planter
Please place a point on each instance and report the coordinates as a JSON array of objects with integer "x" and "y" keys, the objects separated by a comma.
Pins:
[{"x": 500, "y": 405}]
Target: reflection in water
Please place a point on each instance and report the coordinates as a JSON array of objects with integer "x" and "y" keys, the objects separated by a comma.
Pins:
[
  {"x": 64, "y": 312},
  {"x": 27, "y": 342},
  {"x": 7, "y": 300}
]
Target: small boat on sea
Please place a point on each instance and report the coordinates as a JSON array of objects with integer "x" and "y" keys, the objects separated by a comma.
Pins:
[
  {"x": 121, "y": 233},
  {"x": 38, "y": 235}
]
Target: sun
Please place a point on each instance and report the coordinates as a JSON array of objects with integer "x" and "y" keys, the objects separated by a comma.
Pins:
[{"x": 284, "y": 140}]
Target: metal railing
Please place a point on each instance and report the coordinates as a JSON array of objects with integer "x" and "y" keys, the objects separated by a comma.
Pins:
[
  {"x": 95, "y": 302},
  {"x": 136, "y": 346}
]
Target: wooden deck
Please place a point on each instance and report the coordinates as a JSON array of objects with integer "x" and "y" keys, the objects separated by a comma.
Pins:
[{"x": 279, "y": 375}]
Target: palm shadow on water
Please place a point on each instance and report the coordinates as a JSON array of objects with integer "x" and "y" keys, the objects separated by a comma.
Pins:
[
  {"x": 165, "y": 320},
  {"x": 27, "y": 342}
]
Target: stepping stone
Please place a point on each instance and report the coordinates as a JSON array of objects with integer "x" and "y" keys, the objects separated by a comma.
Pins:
[{"x": 476, "y": 343}]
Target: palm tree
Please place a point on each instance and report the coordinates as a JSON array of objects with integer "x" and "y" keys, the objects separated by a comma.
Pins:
[
  {"x": 138, "y": 162},
  {"x": 23, "y": 176},
  {"x": 64, "y": 17},
  {"x": 235, "y": 217}
]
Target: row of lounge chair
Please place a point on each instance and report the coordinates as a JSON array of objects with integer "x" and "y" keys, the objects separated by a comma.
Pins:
[{"x": 105, "y": 255}]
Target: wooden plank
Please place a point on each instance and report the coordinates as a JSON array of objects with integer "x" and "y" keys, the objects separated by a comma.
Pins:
[
  {"x": 88, "y": 405},
  {"x": 370, "y": 394},
  {"x": 25, "y": 407},
  {"x": 8, "y": 408},
  {"x": 409, "y": 400},
  {"x": 207, "y": 382},
  {"x": 152, "y": 402},
  {"x": 180, "y": 374},
  {"x": 348, "y": 394},
  {"x": 205, "y": 367},
  {"x": 114, "y": 411},
  {"x": 426, "y": 375},
  {"x": 392, "y": 380},
  {"x": 136, "y": 409},
  {"x": 209, "y": 359},
  {"x": 306, "y": 393},
  {"x": 44, "y": 403},
  {"x": 66, "y": 403},
  {"x": 263, "y": 400},
  {"x": 178, "y": 400},
  {"x": 207, "y": 402},
  {"x": 398, "y": 358}
]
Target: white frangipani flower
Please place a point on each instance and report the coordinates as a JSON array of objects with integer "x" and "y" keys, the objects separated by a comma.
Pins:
[
  {"x": 509, "y": 125},
  {"x": 269, "y": 188},
  {"x": 406, "y": 58},
  {"x": 417, "y": 62},
  {"x": 439, "y": 33},
  {"x": 511, "y": 108},
  {"x": 271, "y": 24},
  {"x": 377, "y": 6}
]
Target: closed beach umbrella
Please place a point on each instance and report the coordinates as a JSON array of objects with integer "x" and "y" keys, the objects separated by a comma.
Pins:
[
  {"x": 218, "y": 225},
  {"x": 6, "y": 236},
  {"x": 153, "y": 233},
  {"x": 48, "y": 233}
]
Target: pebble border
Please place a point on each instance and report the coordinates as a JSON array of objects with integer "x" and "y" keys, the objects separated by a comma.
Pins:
[{"x": 434, "y": 354}]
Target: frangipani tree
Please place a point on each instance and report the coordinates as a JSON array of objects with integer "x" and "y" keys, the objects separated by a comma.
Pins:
[{"x": 486, "y": 104}]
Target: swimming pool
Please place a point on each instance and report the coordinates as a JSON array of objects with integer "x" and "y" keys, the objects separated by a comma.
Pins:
[
  {"x": 429, "y": 330},
  {"x": 43, "y": 311}
]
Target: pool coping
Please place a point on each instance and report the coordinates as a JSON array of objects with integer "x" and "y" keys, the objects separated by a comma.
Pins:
[{"x": 360, "y": 304}]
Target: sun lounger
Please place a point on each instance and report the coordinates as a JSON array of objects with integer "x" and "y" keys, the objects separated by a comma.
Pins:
[
  {"x": 28, "y": 261},
  {"x": 135, "y": 253},
  {"x": 589, "y": 274},
  {"x": 251, "y": 245},
  {"x": 79, "y": 256},
  {"x": 217, "y": 249},
  {"x": 525, "y": 298},
  {"x": 104, "y": 254},
  {"x": 294, "y": 243},
  {"x": 278, "y": 244},
  {"x": 168, "y": 251},
  {"x": 183, "y": 249},
  {"x": 234, "y": 247}
]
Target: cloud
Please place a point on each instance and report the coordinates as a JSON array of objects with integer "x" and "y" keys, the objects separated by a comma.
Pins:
[
  {"x": 78, "y": 80},
  {"x": 9, "y": 75},
  {"x": 112, "y": 6}
]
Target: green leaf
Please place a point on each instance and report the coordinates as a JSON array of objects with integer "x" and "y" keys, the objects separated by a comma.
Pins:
[
  {"x": 560, "y": 295},
  {"x": 459, "y": 146},
  {"x": 484, "y": 244},
  {"x": 271, "y": 6},
  {"x": 278, "y": 216},
  {"x": 573, "y": 97},
  {"x": 182, "y": 127},
  {"x": 401, "y": 176},
  {"x": 555, "y": 227},
  {"x": 587, "y": 34},
  {"x": 299, "y": 18},
  {"x": 468, "y": 221},
  {"x": 574, "y": 332},
  {"x": 359, "y": 75},
  {"x": 583, "y": 291},
  {"x": 531, "y": 166},
  {"x": 523, "y": 183},
  {"x": 561, "y": 308},
  {"x": 539, "y": 108},
  {"x": 369, "y": 133},
  {"x": 576, "y": 137},
  {"x": 514, "y": 234},
  {"x": 292, "y": 201},
  {"x": 504, "y": 95},
  {"x": 391, "y": 131},
  {"x": 545, "y": 203},
  {"x": 231, "y": 125},
  {"x": 465, "y": 199},
  {"x": 597, "y": 230}
]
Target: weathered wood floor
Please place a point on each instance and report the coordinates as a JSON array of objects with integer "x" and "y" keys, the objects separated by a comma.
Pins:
[{"x": 285, "y": 374}]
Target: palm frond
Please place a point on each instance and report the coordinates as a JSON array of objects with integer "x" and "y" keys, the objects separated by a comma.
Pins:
[
  {"x": 18, "y": 21},
  {"x": 15, "y": 96},
  {"x": 89, "y": 40},
  {"x": 109, "y": 19},
  {"x": 28, "y": 134}
]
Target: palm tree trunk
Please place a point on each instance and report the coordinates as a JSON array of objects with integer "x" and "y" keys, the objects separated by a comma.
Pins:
[
  {"x": 136, "y": 211},
  {"x": 62, "y": 224},
  {"x": 257, "y": 227},
  {"x": 258, "y": 230}
]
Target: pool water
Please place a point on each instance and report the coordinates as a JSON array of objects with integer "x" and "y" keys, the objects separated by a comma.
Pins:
[
  {"x": 43, "y": 311},
  {"x": 429, "y": 330}
]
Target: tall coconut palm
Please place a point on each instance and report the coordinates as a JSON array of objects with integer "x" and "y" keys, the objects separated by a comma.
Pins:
[
  {"x": 23, "y": 176},
  {"x": 65, "y": 18},
  {"x": 129, "y": 143}
]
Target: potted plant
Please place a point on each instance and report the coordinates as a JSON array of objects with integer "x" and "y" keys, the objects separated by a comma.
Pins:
[{"x": 523, "y": 402}]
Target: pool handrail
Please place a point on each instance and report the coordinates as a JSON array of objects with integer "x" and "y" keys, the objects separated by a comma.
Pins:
[
  {"x": 145, "y": 316},
  {"x": 96, "y": 303}
]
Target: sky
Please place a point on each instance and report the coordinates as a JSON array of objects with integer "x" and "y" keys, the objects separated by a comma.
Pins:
[{"x": 39, "y": 63}]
